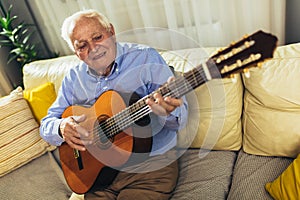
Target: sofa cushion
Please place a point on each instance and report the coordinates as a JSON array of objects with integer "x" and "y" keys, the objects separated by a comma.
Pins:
[
  {"x": 35, "y": 180},
  {"x": 204, "y": 174},
  {"x": 287, "y": 185},
  {"x": 20, "y": 141},
  {"x": 48, "y": 70},
  {"x": 215, "y": 108},
  {"x": 252, "y": 172},
  {"x": 272, "y": 105},
  {"x": 40, "y": 99}
]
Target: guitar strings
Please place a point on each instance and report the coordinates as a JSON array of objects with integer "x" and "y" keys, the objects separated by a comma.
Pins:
[
  {"x": 124, "y": 119},
  {"x": 144, "y": 111}
]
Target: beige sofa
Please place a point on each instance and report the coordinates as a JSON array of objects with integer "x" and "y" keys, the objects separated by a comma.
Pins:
[{"x": 241, "y": 133}]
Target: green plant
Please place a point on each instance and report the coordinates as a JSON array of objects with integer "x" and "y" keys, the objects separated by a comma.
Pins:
[{"x": 16, "y": 38}]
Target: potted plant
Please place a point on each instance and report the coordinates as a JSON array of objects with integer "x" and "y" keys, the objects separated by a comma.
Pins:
[{"x": 16, "y": 38}]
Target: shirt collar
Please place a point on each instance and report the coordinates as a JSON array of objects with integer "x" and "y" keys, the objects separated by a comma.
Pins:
[{"x": 119, "y": 55}]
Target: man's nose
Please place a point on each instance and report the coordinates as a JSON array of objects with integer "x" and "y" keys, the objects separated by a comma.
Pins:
[{"x": 93, "y": 46}]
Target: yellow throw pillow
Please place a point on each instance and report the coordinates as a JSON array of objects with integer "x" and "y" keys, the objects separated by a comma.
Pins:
[
  {"x": 287, "y": 185},
  {"x": 40, "y": 99}
]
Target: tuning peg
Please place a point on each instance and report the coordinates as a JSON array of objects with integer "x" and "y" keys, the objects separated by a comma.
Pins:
[
  {"x": 233, "y": 78},
  {"x": 259, "y": 65},
  {"x": 246, "y": 73},
  {"x": 220, "y": 49}
]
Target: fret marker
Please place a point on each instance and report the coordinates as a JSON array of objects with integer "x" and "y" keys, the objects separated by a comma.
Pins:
[{"x": 206, "y": 71}]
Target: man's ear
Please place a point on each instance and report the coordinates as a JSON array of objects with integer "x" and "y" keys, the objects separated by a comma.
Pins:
[
  {"x": 112, "y": 30},
  {"x": 76, "y": 54}
]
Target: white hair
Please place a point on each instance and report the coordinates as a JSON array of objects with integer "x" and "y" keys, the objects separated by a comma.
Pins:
[{"x": 70, "y": 22}]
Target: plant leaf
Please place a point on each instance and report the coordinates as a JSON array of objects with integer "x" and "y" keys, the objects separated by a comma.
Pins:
[
  {"x": 16, "y": 30},
  {"x": 5, "y": 42},
  {"x": 25, "y": 40},
  {"x": 12, "y": 57},
  {"x": 24, "y": 31},
  {"x": 9, "y": 22},
  {"x": 16, "y": 51}
]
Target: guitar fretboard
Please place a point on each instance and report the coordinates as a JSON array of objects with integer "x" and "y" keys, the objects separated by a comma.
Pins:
[{"x": 176, "y": 89}]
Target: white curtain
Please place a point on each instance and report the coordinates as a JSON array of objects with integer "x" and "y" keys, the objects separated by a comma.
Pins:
[{"x": 169, "y": 24}]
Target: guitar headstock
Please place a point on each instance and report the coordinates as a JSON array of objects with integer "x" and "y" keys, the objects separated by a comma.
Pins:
[{"x": 244, "y": 54}]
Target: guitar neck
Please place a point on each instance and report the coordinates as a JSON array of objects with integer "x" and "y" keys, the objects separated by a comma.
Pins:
[{"x": 176, "y": 89}]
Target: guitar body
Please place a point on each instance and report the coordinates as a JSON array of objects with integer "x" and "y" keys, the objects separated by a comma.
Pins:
[{"x": 82, "y": 168}]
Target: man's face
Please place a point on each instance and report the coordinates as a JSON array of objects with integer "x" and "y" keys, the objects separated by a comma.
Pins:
[{"x": 93, "y": 44}]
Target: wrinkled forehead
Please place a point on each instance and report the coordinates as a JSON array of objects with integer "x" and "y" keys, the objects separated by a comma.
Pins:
[{"x": 86, "y": 28}]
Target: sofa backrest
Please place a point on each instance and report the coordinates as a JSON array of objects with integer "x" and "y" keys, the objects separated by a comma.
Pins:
[
  {"x": 271, "y": 116},
  {"x": 265, "y": 107},
  {"x": 214, "y": 108},
  {"x": 49, "y": 70}
]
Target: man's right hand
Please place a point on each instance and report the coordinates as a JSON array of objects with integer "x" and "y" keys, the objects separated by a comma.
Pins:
[{"x": 73, "y": 133}]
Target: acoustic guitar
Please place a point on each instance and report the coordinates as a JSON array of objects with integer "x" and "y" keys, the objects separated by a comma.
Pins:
[{"x": 115, "y": 125}]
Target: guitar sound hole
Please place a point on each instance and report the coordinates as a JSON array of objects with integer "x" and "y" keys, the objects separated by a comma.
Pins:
[{"x": 102, "y": 133}]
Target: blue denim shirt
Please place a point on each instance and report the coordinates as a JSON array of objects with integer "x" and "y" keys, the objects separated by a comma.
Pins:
[{"x": 137, "y": 68}]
